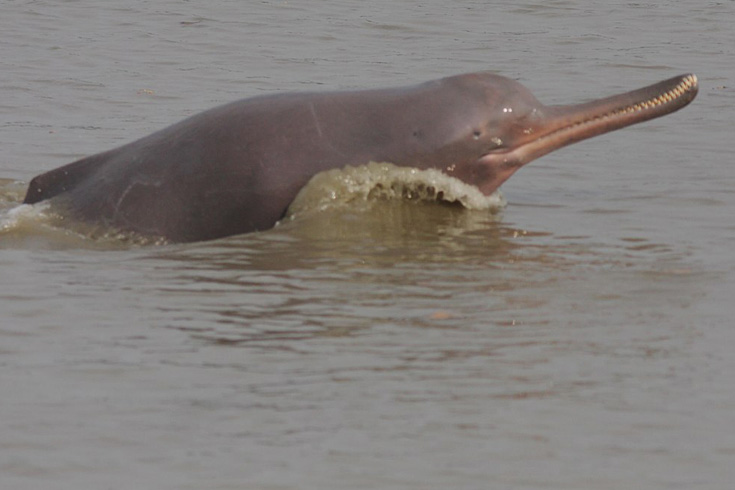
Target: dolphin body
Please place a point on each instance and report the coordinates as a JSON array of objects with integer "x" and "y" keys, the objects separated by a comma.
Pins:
[{"x": 236, "y": 168}]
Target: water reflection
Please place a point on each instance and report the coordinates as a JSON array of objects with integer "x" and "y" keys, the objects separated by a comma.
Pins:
[{"x": 340, "y": 272}]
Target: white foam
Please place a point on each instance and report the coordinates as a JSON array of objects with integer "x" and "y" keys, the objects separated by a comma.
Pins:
[
  {"x": 387, "y": 181},
  {"x": 23, "y": 214}
]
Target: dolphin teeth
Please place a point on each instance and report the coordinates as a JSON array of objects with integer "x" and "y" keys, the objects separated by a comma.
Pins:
[{"x": 686, "y": 84}]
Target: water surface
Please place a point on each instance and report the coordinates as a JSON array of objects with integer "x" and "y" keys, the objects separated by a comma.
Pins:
[{"x": 578, "y": 339}]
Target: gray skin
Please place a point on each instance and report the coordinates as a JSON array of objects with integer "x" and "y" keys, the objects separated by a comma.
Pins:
[{"x": 236, "y": 168}]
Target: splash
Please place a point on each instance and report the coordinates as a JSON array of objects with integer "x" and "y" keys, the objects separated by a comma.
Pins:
[
  {"x": 385, "y": 181},
  {"x": 23, "y": 215},
  {"x": 13, "y": 214},
  {"x": 33, "y": 226}
]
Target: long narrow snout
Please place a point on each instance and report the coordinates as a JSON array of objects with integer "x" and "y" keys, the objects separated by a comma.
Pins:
[{"x": 564, "y": 125}]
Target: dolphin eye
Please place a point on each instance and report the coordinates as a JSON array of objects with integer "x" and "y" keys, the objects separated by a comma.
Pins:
[{"x": 476, "y": 135}]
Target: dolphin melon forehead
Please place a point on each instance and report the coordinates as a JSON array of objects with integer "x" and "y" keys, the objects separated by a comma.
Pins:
[
  {"x": 489, "y": 100},
  {"x": 492, "y": 85}
]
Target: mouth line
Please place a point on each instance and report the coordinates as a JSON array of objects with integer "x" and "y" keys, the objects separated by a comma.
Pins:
[
  {"x": 607, "y": 115},
  {"x": 673, "y": 95}
]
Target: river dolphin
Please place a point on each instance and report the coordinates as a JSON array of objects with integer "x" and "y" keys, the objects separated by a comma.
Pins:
[{"x": 236, "y": 168}]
